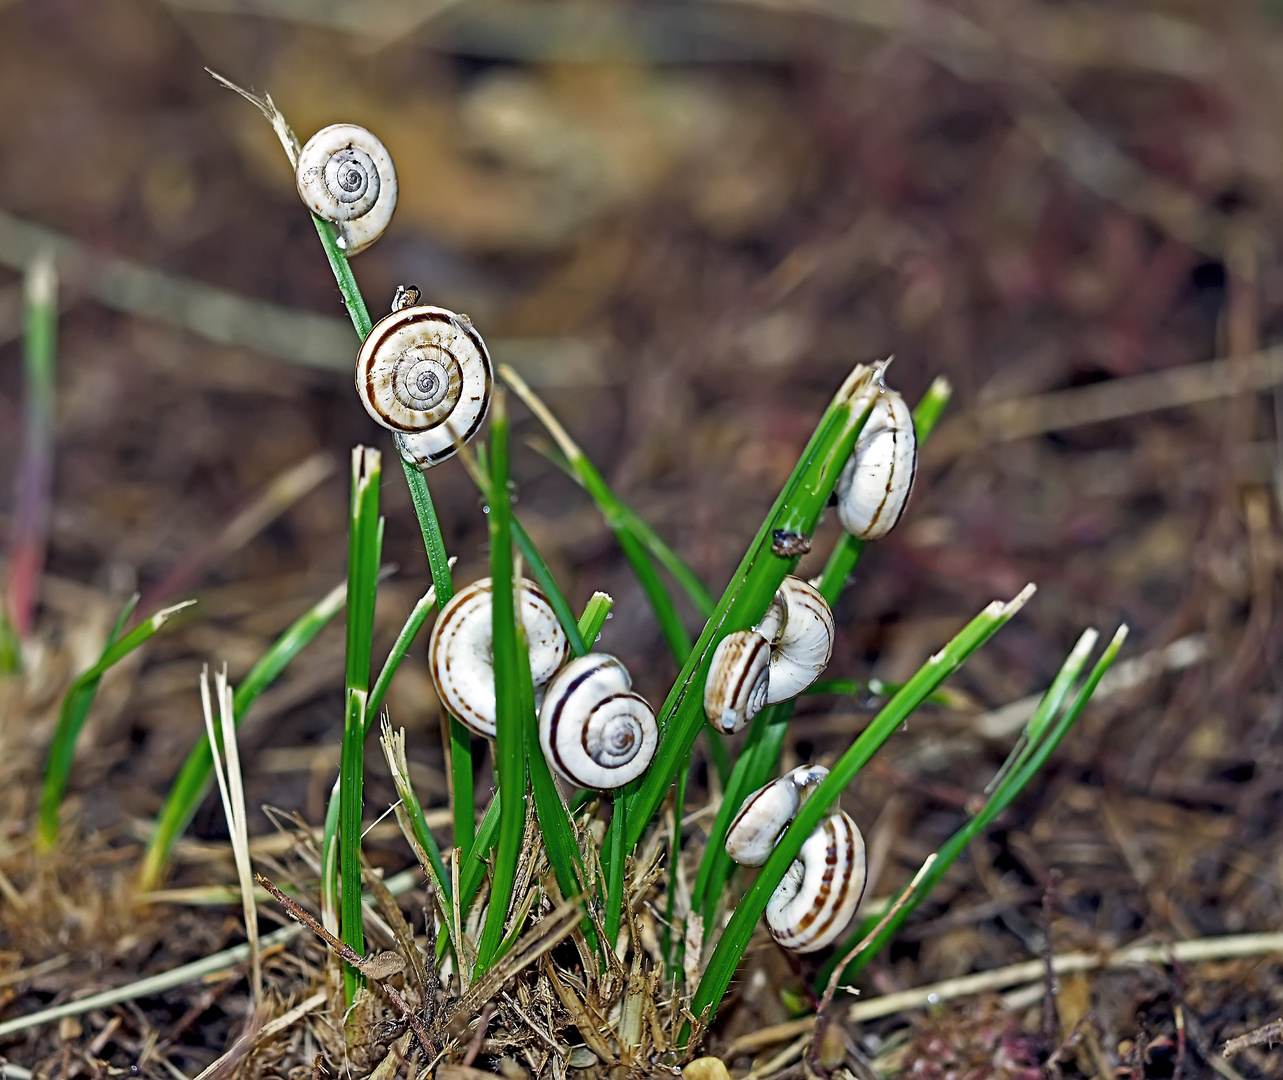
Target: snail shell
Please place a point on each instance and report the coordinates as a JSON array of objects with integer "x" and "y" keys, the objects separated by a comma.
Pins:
[
  {"x": 346, "y": 176},
  {"x": 735, "y": 690},
  {"x": 822, "y": 889},
  {"x": 592, "y": 729},
  {"x": 875, "y": 484},
  {"x": 766, "y": 813},
  {"x": 425, "y": 373},
  {"x": 460, "y": 650},
  {"x": 799, "y": 625}
]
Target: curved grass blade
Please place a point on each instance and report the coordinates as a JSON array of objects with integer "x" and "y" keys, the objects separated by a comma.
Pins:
[
  {"x": 195, "y": 777},
  {"x": 735, "y": 938},
  {"x": 1042, "y": 734},
  {"x": 76, "y": 704}
]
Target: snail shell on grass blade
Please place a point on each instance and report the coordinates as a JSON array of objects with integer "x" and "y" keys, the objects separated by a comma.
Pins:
[
  {"x": 346, "y": 176},
  {"x": 821, "y": 889},
  {"x": 799, "y": 625},
  {"x": 460, "y": 650},
  {"x": 735, "y": 690},
  {"x": 425, "y": 373},
  {"x": 875, "y": 483},
  {"x": 593, "y": 730},
  {"x": 766, "y": 813}
]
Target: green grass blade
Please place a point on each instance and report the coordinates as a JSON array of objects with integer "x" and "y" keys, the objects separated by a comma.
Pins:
[
  {"x": 594, "y": 617},
  {"x": 1040, "y": 744},
  {"x": 194, "y": 778},
  {"x": 75, "y": 707},
  {"x": 735, "y": 938},
  {"x": 409, "y": 631},
  {"x": 365, "y": 545},
  {"x": 797, "y": 510},
  {"x": 621, "y": 519},
  {"x": 510, "y": 752},
  {"x": 539, "y": 569},
  {"x": 615, "y": 860},
  {"x": 32, "y": 508}
]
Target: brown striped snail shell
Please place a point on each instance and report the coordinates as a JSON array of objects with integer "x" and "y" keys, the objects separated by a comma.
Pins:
[
  {"x": 775, "y": 661},
  {"x": 735, "y": 690},
  {"x": 593, "y": 730},
  {"x": 799, "y": 625},
  {"x": 875, "y": 483},
  {"x": 460, "y": 650},
  {"x": 766, "y": 813},
  {"x": 346, "y": 176},
  {"x": 424, "y": 372},
  {"x": 820, "y": 891}
]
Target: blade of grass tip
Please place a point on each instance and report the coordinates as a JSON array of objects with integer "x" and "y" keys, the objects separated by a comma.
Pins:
[
  {"x": 330, "y": 861},
  {"x": 75, "y": 707},
  {"x": 619, "y": 516},
  {"x": 797, "y": 509},
  {"x": 766, "y": 735},
  {"x": 32, "y": 502},
  {"x": 594, "y": 617},
  {"x": 192, "y": 782},
  {"x": 365, "y": 540},
  {"x": 735, "y": 938},
  {"x": 509, "y": 741},
  {"x": 1002, "y": 798}
]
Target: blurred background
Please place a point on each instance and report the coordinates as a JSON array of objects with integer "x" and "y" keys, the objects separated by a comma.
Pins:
[{"x": 683, "y": 223}]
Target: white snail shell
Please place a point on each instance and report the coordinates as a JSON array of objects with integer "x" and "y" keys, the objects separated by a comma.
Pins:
[
  {"x": 799, "y": 625},
  {"x": 776, "y": 660},
  {"x": 735, "y": 690},
  {"x": 766, "y": 813},
  {"x": 592, "y": 729},
  {"x": 346, "y": 176},
  {"x": 460, "y": 650},
  {"x": 822, "y": 888},
  {"x": 425, "y": 373},
  {"x": 875, "y": 484}
]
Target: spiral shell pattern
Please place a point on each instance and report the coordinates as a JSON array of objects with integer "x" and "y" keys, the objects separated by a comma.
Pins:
[
  {"x": 593, "y": 730},
  {"x": 425, "y": 373},
  {"x": 736, "y": 688},
  {"x": 821, "y": 889},
  {"x": 875, "y": 483},
  {"x": 346, "y": 176},
  {"x": 460, "y": 650},
  {"x": 766, "y": 813},
  {"x": 799, "y": 625}
]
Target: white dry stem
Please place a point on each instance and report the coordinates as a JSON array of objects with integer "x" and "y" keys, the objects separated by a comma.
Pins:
[
  {"x": 227, "y": 768},
  {"x": 268, "y": 108}
]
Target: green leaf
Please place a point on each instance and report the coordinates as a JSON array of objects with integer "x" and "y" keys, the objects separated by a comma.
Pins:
[{"x": 76, "y": 704}]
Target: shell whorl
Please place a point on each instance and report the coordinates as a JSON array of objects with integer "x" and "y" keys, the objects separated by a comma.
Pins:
[
  {"x": 735, "y": 690},
  {"x": 593, "y": 730},
  {"x": 345, "y": 175},
  {"x": 424, "y": 372},
  {"x": 875, "y": 483},
  {"x": 800, "y": 627},
  {"x": 776, "y": 660},
  {"x": 821, "y": 889},
  {"x": 766, "y": 813},
  {"x": 460, "y": 650}
]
